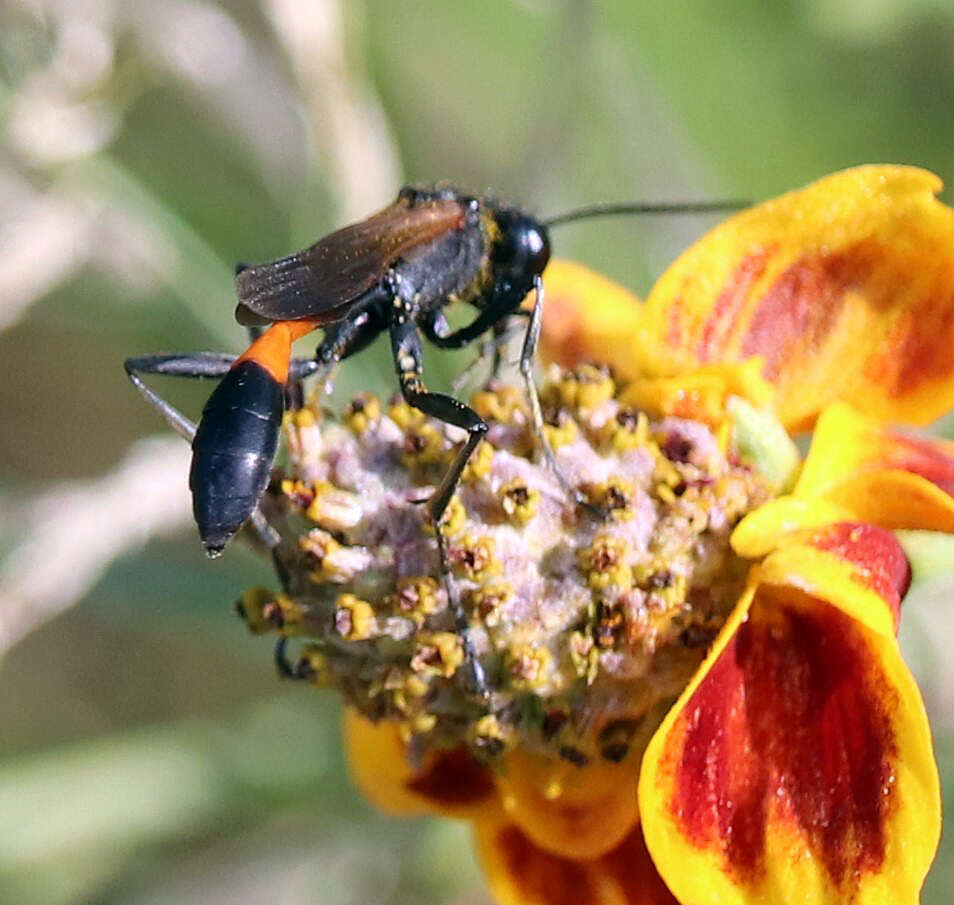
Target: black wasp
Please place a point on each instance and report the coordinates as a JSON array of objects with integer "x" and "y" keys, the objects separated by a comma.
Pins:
[{"x": 394, "y": 272}]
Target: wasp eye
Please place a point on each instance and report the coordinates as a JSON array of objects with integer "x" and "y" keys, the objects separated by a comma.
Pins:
[{"x": 523, "y": 248}]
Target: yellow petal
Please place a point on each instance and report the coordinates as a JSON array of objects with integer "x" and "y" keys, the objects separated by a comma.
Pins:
[
  {"x": 762, "y": 530},
  {"x": 796, "y": 767},
  {"x": 701, "y": 394},
  {"x": 448, "y": 783},
  {"x": 881, "y": 474},
  {"x": 588, "y": 317},
  {"x": 844, "y": 290},
  {"x": 858, "y": 567},
  {"x": 570, "y": 811},
  {"x": 519, "y": 873}
]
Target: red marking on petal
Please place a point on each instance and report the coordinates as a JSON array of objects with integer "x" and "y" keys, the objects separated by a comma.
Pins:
[
  {"x": 799, "y": 309},
  {"x": 630, "y": 863},
  {"x": 549, "y": 878},
  {"x": 453, "y": 779},
  {"x": 912, "y": 349},
  {"x": 882, "y": 564},
  {"x": 792, "y": 725},
  {"x": 570, "y": 346},
  {"x": 921, "y": 456},
  {"x": 722, "y": 321},
  {"x": 676, "y": 327}
]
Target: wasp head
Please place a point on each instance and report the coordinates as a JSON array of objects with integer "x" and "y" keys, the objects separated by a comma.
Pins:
[{"x": 522, "y": 250}]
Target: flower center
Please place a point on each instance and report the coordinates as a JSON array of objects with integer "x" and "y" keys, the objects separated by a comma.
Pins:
[{"x": 586, "y": 621}]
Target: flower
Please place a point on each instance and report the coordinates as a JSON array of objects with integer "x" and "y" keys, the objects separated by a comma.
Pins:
[{"x": 784, "y": 755}]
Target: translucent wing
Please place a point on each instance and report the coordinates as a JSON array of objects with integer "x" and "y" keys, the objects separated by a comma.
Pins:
[{"x": 322, "y": 280}]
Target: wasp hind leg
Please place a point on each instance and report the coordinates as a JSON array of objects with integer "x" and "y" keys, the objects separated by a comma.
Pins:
[
  {"x": 298, "y": 670},
  {"x": 205, "y": 365}
]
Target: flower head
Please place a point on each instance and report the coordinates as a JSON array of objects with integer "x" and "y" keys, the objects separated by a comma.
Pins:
[{"x": 696, "y": 693}]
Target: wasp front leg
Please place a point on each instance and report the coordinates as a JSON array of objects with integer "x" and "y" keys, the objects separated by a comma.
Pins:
[{"x": 528, "y": 356}]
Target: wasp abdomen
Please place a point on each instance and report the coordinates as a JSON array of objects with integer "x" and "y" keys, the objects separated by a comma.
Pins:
[{"x": 233, "y": 450}]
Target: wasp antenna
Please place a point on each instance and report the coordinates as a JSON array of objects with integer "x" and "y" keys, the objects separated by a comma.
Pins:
[{"x": 617, "y": 209}]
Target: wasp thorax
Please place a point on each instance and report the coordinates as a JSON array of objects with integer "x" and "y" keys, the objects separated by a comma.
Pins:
[{"x": 586, "y": 621}]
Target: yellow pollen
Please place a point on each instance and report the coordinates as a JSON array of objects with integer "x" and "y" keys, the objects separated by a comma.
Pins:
[
  {"x": 581, "y": 389},
  {"x": 563, "y": 433},
  {"x": 313, "y": 662},
  {"x": 423, "y": 445},
  {"x": 487, "y": 727},
  {"x": 321, "y": 546},
  {"x": 488, "y": 600},
  {"x": 585, "y": 656},
  {"x": 354, "y": 618},
  {"x": 453, "y": 519},
  {"x": 438, "y": 654},
  {"x": 423, "y": 722},
  {"x": 363, "y": 411},
  {"x": 616, "y": 496},
  {"x": 500, "y": 404},
  {"x": 416, "y": 598},
  {"x": 303, "y": 417},
  {"x": 404, "y": 415},
  {"x": 333, "y": 508},
  {"x": 474, "y": 558},
  {"x": 266, "y": 611},
  {"x": 528, "y": 666},
  {"x": 605, "y": 563},
  {"x": 299, "y": 493},
  {"x": 478, "y": 466},
  {"x": 518, "y": 501}
]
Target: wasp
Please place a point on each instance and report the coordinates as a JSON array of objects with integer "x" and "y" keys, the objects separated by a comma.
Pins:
[{"x": 393, "y": 272}]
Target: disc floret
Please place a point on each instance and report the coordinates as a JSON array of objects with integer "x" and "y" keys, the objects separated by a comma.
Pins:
[{"x": 584, "y": 620}]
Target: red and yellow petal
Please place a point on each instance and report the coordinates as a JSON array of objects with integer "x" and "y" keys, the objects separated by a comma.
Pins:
[
  {"x": 764, "y": 529},
  {"x": 845, "y": 290},
  {"x": 701, "y": 394},
  {"x": 858, "y": 567},
  {"x": 588, "y": 317},
  {"x": 448, "y": 783},
  {"x": 571, "y": 811},
  {"x": 796, "y": 767},
  {"x": 882, "y": 474},
  {"x": 520, "y": 873}
]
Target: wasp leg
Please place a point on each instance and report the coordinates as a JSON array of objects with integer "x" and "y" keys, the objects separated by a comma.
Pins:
[
  {"x": 498, "y": 306},
  {"x": 203, "y": 365},
  {"x": 406, "y": 348},
  {"x": 492, "y": 350},
  {"x": 527, "y": 355},
  {"x": 498, "y": 343},
  {"x": 461, "y": 622},
  {"x": 351, "y": 335},
  {"x": 299, "y": 671}
]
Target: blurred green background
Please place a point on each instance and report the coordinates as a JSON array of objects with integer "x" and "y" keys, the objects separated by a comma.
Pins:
[{"x": 148, "y": 754}]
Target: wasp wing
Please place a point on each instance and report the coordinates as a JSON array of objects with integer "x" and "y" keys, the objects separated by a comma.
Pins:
[{"x": 324, "y": 279}]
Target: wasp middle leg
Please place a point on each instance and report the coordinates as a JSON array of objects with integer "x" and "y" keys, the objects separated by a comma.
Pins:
[{"x": 406, "y": 348}]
